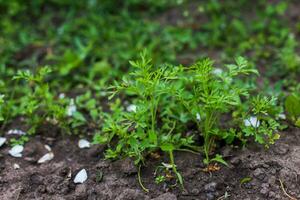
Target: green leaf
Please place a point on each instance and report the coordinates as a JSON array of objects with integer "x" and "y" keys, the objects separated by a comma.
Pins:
[
  {"x": 297, "y": 123},
  {"x": 99, "y": 139},
  {"x": 292, "y": 107},
  {"x": 78, "y": 116},
  {"x": 179, "y": 177},
  {"x": 134, "y": 144},
  {"x": 276, "y": 136},
  {"x": 259, "y": 139},
  {"x": 167, "y": 147},
  {"x": 245, "y": 180},
  {"x": 153, "y": 137},
  {"x": 219, "y": 158}
]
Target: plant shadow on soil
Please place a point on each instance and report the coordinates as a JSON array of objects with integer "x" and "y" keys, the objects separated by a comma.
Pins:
[{"x": 54, "y": 180}]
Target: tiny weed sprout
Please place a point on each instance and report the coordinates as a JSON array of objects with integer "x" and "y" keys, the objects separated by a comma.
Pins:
[
  {"x": 263, "y": 127},
  {"x": 160, "y": 179}
]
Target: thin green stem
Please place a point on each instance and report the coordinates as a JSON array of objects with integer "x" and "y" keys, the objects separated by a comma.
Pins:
[
  {"x": 190, "y": 151},
  {"x": 208, "y": 124},
  {"x": 179, "y": 177},
  {"x": 153, "y": 109},
  {"x": 140, "y": 180}
]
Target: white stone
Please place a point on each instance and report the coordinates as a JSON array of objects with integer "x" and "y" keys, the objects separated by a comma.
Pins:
[
  {"x": 83, "y": 143},
  {"x": 47, "y": 147},
  {"x": 2, "y": 141},
  {"x": 81, "y": 176},
  {"x": 252, "y": 121},
  {"x": 16, "y": 132},
  {"x": 198, "y": 117},
  {"x": 16, "y": 166},
  {"x": 61, "y": 95},
  {"x": 282, "y": 116},
  {"x": 131, "y": 108},
  {"x": 217, "y": 71},
  {"x": 71, "y": 109},
  {"x": 47, "y": 157},
  {"x": 16, "y": 151}
]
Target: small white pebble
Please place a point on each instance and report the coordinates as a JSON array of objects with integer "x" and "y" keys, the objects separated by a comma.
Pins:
[
  {"x": 282, "y": 116},
  {"x": 198, "y": 117},
  {"x": 131, "y": 108},
  {"x": 217, "y": 71},
  {"x": 16, "y": 151},
  {"x": 252, "y": 121},
  {"x": 16, "y": 166},
  {"x": 47, "y": 157},
  {"x": 2, "y": 141},
  {"x": 81, "y": 176},
  {"x": 71, "y": 109},
  {"x": 83, "y": 143},
  {"x": 16, "y": 132},
  {"x": 47, "y": 147},
  {"x": 61, "y": 95}
]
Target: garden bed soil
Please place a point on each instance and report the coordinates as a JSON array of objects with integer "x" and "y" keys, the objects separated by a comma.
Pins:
[{"x": 253, "y": 173}]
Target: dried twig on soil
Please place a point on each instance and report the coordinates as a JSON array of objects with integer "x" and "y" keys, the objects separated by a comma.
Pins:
[{"x": 284, "y": 191}]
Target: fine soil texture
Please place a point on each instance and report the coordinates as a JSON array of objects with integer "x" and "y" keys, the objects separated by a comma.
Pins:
[{"x": 252, "y": 173}]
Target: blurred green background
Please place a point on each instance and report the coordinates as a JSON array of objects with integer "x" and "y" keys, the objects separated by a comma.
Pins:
[{"x": 88, "y": 43}]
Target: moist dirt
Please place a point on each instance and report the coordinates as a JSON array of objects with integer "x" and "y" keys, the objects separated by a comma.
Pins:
[{"x": 253, "y": 173}]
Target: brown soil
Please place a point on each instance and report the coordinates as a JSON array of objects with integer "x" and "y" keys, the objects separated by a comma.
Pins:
[{"x": 52, "y": 180}]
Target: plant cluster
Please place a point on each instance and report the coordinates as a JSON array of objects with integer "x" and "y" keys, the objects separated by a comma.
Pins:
[
  {"x": 161, "y": 95},
  {"x": 39, "y": 105}
]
